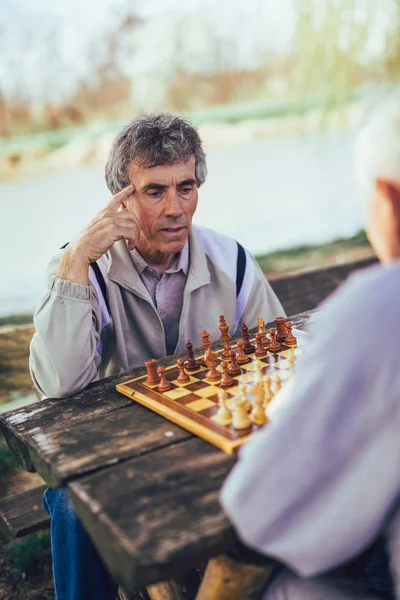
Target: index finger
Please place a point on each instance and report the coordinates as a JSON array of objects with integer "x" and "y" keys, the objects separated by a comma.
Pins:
[{"x": 118, "y": 198}]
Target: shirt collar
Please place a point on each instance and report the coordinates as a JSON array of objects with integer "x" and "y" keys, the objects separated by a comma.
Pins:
[{"x": 179, "y": 263}]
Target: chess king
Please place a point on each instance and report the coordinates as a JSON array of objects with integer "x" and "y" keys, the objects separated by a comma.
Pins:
[{"x": 136, "y": 284}]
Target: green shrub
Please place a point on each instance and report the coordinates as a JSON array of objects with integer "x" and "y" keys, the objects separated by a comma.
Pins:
[
  {"x": 8, "y": 462},
  {"x": 31, "y": 555}
]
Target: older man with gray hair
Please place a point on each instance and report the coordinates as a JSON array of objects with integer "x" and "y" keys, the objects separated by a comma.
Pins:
[
  {"x": 135, "y": 284},
  {"x": 317, "y": 486}
]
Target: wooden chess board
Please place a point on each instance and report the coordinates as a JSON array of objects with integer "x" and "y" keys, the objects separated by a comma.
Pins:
[{"x": 193, "y": 405}]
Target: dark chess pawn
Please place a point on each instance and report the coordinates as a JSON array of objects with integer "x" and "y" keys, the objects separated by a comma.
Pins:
[
  {"x": 290, "y": 339},
  {"x": 260, "y": 350},
  {"x": 234, "y": 368},
  {"x": 226, "y": 352},
  {"x": 164, "y": 383},
  {"x": 248, "y": 347},
  {"x": 274, "y": 346},
  {"x": 192, "y": 365},
  {"x": 183, "y": 376},
  {"x": 226, "y": 380},
  {"x": 242, "y": 357}
]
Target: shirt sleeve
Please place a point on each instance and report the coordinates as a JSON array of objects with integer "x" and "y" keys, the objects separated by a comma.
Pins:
[
  {"x": 314, "y": 487},
  {"x": 64, "y": 352}
]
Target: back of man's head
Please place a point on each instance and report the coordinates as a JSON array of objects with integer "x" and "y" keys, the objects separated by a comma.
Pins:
[
  {"x": 156, "y": 139},
  {"x": 377, "y": 151}
]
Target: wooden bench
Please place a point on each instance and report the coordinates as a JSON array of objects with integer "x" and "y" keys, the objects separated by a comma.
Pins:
[{"x": 22, "y": 514}]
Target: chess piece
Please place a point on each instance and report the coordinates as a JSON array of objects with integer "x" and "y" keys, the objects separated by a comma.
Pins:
[
  {"x": 248, "y": 347},
  {"x": 263, "y": 332},
  {"x": 183, "y": 376},
  {"x": 257, "y": 415},
  {"x": 290, "y": 339},
  {"x": 211, "y": 362},
  {"x": 226, "y": 353},
  {"x": 224, "y": 329},
  {"x": 268, "y": 395},
  {"x": 278, "y": 383},
  {"x": 258, "y": 369},
  {"x": 224, "y": 415},
  {"x": 260, "y": 351},
  {"x": 240, "y": 417},
  {"x": 281, "y": 333},
  {"x": 242, "y": 358},
  {"x": 206, "y": 343},
  {"x": 192, "y": 365},
  {"x": 152, "y": 376},
  {"x": 164, "y": 385},
  {"x": 226, "y": 380},
  {"x": 234, "y": 368},
  {"x": 274, "y": 346}
]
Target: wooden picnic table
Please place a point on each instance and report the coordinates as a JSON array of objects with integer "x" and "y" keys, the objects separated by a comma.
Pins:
[{"x": 146, "y": 490}]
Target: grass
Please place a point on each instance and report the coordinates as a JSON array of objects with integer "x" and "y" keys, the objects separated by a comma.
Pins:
[
  {"x": 25, "y": 319},
  {"x": 300, "y": 256},
  {"x": 14, "y": 355},
  {"x": 8, "y": 462}
]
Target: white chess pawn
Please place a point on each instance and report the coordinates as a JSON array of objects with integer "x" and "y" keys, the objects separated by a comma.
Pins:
[
  {"x": 224, "y": 415},
  {"x": 240, "y": 419}
]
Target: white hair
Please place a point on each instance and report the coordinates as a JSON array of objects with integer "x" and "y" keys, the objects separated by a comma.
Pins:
[{"x": 377, "y": 149}]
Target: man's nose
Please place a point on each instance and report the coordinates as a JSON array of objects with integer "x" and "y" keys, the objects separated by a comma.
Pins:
[{"x": 173, "y": 206}]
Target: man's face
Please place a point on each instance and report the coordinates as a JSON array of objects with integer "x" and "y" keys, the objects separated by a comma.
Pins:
[{"x": 164, "y": 203}]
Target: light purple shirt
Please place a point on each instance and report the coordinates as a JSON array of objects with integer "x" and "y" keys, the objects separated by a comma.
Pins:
[
  {"x": 166, "y": 291},
  {"x": 316, "y": 486}
]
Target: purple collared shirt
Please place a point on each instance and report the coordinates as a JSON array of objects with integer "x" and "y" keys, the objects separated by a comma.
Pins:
[{"x": 166, "y": 291}]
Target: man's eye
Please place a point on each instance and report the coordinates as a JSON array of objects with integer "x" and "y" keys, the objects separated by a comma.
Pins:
[
  {"x": 186, "y": 190},
  {"x": 156, "y": 194}
]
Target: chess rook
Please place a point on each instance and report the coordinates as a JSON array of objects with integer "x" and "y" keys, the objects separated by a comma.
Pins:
[
  {"x": 152, "y": 376},
  {"x": 281, "y": 333}
]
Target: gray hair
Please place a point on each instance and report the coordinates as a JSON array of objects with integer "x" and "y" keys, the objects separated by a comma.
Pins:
[
  {"x": 159, "y": 138},
  {"x": 377, "y": 150}
]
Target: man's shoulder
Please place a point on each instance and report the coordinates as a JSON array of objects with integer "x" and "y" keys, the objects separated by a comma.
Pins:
[
  {"x": 210, "y": 238},
  {"x": 367, "y": 299}
]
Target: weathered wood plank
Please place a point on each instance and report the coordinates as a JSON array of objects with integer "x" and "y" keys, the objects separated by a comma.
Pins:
[
  {"x": 60, "y": 454},
  {"x": 22, "y": 514},
  {"x": 227, "y": 579},
  {"x": 158, "y": 515}
]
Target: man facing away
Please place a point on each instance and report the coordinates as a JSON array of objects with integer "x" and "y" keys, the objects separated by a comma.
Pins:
[
  {"x": 137, "y": 283},
  {"x": 322, "y": 480}
]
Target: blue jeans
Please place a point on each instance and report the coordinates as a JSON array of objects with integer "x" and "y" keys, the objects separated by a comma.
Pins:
[{"x": 78, "y": 571}]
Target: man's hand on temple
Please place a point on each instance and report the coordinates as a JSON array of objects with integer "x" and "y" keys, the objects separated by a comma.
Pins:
[{"x": 109, "y": 226}]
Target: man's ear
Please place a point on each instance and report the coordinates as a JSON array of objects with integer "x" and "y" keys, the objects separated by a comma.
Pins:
[{"x": 390, "y": 190}]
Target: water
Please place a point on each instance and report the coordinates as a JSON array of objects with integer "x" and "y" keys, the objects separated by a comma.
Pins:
[{"x": 268, "y": 194}]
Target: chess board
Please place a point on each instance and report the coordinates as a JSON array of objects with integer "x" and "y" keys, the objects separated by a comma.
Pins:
[{"x": 193, "y": 405}]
